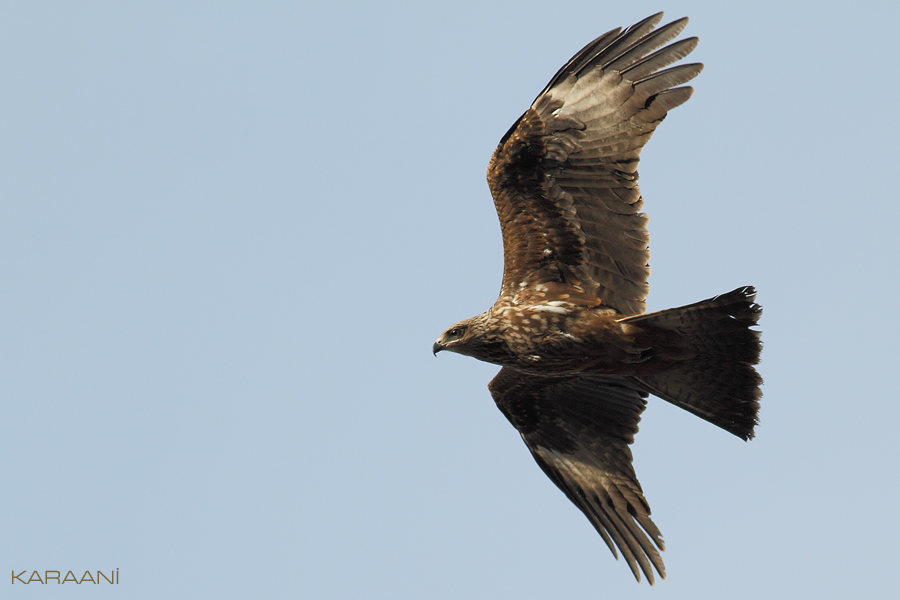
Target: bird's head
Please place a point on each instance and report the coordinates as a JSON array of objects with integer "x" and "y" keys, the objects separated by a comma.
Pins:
[
  {"x": 454, "y": 339},
  {"x": 466, "y": 337}
]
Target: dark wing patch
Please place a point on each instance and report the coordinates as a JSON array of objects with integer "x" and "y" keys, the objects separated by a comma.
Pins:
[
  {"x": 564, "y": 178},
  {"x": 578, "y": 430}
]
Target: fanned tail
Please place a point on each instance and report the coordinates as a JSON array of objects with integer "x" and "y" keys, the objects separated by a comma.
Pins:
[{"x": 718, "y": 383}]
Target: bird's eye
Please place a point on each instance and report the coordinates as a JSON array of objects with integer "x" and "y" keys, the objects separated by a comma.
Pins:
[{"x": 455, "y": 332}]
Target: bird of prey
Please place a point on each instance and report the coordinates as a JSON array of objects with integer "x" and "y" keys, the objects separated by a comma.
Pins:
[{"x": 579, "y": 356}]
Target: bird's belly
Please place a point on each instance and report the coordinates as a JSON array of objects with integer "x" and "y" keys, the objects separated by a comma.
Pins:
[{"x": 603, "y": 352}]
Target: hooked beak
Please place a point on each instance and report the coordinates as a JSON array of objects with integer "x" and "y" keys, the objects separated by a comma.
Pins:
[{"x": 437, "y": 348}]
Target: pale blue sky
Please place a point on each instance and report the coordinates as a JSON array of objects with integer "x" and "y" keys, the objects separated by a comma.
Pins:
[{"x": 230, "y": 233}]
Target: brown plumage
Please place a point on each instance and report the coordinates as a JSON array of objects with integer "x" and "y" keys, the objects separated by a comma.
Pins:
[{"x": 579, "y": 357}]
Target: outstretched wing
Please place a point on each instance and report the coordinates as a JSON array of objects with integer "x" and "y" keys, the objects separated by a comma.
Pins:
[
  {"x": 578, "y": 430},
  {"x": 564, "y": 177}
]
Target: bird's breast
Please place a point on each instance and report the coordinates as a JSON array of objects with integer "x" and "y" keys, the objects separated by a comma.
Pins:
[{"x": 562, "y": 339}]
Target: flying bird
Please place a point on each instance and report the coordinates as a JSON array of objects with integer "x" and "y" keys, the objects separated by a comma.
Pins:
[{"x": 579, "y": 355}]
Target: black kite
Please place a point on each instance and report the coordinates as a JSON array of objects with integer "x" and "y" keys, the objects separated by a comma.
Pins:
[{"x": 579, "y": 355}]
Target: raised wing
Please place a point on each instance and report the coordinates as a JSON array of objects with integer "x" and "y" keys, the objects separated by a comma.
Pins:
[
  {"x": 578, "y": 430},
  {"x": 564, "y": 177}
]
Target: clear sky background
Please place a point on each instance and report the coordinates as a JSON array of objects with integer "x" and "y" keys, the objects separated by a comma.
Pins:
[{"x": 230, "y": 233}]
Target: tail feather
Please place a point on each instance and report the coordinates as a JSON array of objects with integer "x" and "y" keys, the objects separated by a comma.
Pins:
[{"x": 718, "y": 383}]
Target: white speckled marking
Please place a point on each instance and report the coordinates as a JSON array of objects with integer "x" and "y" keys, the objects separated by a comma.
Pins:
[
  {"x": 557, "y": 310},
  {"x": 558, "y": 303}
]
